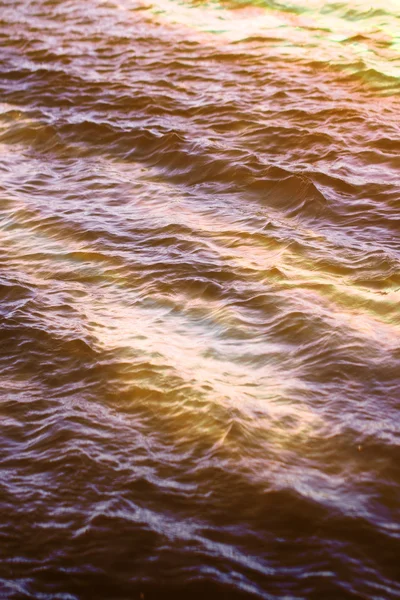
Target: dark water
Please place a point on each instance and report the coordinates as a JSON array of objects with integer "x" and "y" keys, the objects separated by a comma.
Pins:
[{"x": 200, "y": 328}]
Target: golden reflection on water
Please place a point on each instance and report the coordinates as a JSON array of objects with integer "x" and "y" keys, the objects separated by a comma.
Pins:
[
  {"x": 201, "y": 293},
  {"x": 183, "y": 331},
  {"x": 261, "y": 258},
  {"x": 311, "y": 31}
]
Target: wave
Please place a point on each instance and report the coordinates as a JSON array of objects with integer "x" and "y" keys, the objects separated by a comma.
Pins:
[{"x": 199, "y": 300}]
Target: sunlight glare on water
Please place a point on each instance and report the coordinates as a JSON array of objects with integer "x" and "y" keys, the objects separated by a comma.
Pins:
[{"x": 200, "y": 289}]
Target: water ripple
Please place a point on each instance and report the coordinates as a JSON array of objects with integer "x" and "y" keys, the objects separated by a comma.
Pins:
[{"x": 200, "y": 283}]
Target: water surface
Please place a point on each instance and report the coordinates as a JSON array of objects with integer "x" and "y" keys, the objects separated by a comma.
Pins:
[{"x": 200, "y": 284}]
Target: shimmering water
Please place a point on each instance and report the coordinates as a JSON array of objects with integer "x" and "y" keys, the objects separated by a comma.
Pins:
[{"x": 200, "y": 328}]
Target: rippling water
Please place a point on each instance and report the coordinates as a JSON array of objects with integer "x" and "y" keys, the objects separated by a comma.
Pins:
[{"x": 200, "y": 328}]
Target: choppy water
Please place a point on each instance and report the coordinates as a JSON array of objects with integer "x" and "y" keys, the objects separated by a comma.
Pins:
[{"x": 200, "y": 328}]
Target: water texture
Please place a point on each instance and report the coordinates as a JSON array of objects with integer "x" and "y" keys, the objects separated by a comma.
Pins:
[{"x": 200, "y": 284}]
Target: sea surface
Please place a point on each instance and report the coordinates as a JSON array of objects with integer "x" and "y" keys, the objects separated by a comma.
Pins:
[{"x": 199, "y": 300}]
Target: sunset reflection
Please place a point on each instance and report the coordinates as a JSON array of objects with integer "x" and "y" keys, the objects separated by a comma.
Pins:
[{"x": 200, "y": 292}]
